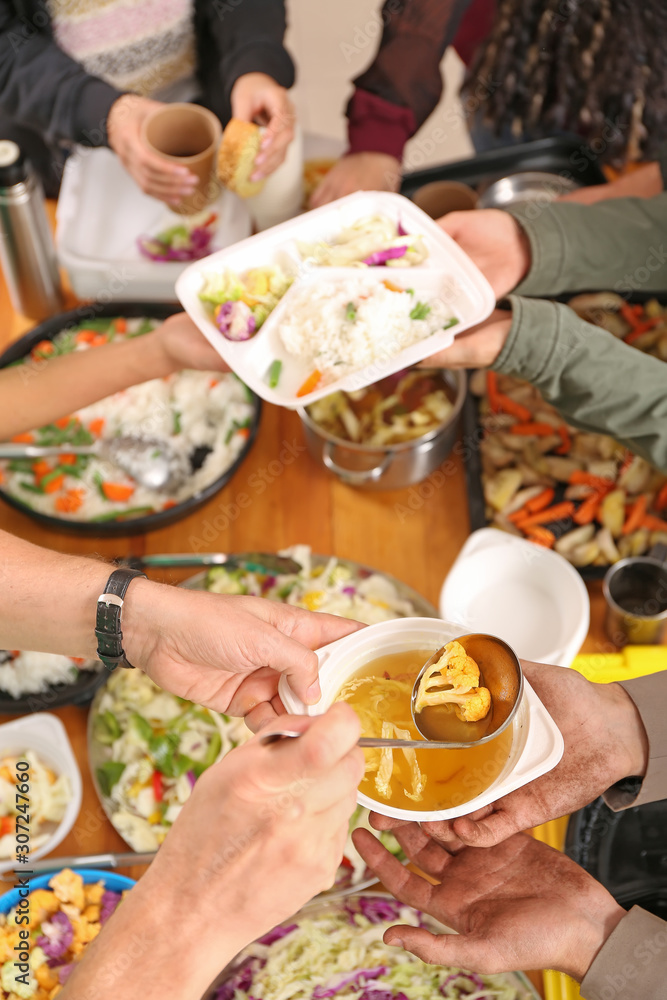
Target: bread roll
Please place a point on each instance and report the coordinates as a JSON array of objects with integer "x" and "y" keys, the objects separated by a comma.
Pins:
[{"x": 236, "y": 157}]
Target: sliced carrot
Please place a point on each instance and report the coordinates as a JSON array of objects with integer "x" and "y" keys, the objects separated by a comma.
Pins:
[
  {"x": 85, "y": 336},
  {"x": 2, "y": 476},
  {"x": 661, "y": 499},
  {"x": 43, "y": 349},
  {"x": 6, "y": 824},
  {"x": 508, "y": 405},
  {"x": 25, "y": 438},
  {"x": 168, "y": 504},
  {"x": 243, "y": 432},
  {"x": 636, "y": 515},
  {"x": 588, "y": 510},
  {"x": 41, "y": 468},
  {"x": 533, "y": 428},
  {"x": 55, "y": 484},
  {"x": 213, "y": 382},
  {"x": 63, "y": 422},
  {"x": 492, "y": 391},
  {"x": 70, "y": 501},
  {"x": 653, "y": 523},
  {"x": 120, "y": 325},
  {"x": 117, "y": 491},
  {"x": 67, "y": 460},
  {"x": 99, "y": 339},
  {"x": 565, "y": 446},
  {"x": 559, "y": 512},
  {"x": 311, "y": 383},
  {"x": 579, "y": 477},
  {"x": 542, "y": 536},
  {"x": 640, "y": 329},
  {"x": 539, "y": 502},
  {"x": 391, "y": 287},
  {"x": 77, "y": 659},
  {"x": 96, "y": 426}
]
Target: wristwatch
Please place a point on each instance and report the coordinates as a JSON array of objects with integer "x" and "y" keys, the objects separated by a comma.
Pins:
[{"x": 107, "y": 625}]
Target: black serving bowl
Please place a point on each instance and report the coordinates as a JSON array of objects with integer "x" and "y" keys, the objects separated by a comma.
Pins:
[{"x": 136, "y": 525}]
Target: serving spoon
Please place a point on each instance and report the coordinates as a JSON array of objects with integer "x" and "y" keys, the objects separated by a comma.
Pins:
[
  {"x": 153, "y": 463},
  {"x": 501, "y": 673}
]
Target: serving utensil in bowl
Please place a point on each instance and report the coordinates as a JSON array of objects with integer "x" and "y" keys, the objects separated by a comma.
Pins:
[{"x": 153, "y": 463}]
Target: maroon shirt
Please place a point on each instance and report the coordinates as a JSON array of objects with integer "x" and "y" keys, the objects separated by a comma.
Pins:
[{"x": 403, "y": 85}]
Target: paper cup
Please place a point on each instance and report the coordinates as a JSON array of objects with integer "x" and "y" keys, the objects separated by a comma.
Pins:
[
  {"x": 441, "y": 197},
  {"x": 188, "y": 135}
]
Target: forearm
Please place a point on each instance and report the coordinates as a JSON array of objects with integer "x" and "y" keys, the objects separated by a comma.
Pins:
[
  {"x": 39, "y": 392},
  {"x": 596, "y": 381},
  {"x": 135, "y": 959},
  {"x": 73, "y": 105},
  {"x": 617, "y": 244}
]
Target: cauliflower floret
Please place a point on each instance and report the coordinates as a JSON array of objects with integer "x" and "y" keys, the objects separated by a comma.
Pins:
[{"x": 454, "y": 679}]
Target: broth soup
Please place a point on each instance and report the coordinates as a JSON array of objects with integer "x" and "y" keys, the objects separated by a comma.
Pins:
[{"x": 379, "y": 692}]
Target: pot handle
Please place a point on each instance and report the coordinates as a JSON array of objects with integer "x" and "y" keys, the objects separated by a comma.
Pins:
[{"x": 355, "y": 477}]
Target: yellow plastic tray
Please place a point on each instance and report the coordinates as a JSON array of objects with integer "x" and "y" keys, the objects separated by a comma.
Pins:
[{"x": 602, "y": 668}]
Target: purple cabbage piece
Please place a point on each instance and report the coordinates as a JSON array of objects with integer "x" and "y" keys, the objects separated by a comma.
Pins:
[
  {"x": 192, "y": 778},
  {"x": 473, "y": 979},
  {"x": 155, "y": 249},
  {"x": 240, "y": 980},
  {"x": 358, "y": 979},
  {"x": 349, "y": 590},
  {"x": 110, "y": 901},
  {"x": 64, "y": 972},
  {"x": 382, "y": 256},
  {"x": 400, "y": 230},
  {"x": 268, "y": 583},
  {"x": 276, "y": 934},
  {"x": 381, "y": 994},
  {"x": 376, "y": 909},
  {"x": 57, "y": 935},
  {"x": 225, "y": 317}
]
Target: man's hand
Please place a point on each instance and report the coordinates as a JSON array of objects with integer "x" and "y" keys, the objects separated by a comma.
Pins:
[
  {"x": 520, "y": 905},
  {"x": 262, "y": 833},
  {"x": 257, "y": 97},
  {"x": 495, "y": 241},
  {"x": 358, "y": 172},
  {"x": 184, "y": 346},
  {"x": 155, "y": 176},
  {"x": 226, "y": 652},
  {"x": 475, "y": 348},
  {"x": 605, "y": 741}
]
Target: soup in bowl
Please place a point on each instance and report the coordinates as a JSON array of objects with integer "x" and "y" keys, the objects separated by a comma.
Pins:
[{"x": 425, "y": 784}]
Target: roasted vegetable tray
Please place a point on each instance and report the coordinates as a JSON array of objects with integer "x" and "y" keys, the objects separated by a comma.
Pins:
[{"x": 615, "y": 501}]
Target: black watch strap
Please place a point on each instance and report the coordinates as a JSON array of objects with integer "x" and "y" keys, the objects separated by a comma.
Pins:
[{"x": 108, "y": 622}]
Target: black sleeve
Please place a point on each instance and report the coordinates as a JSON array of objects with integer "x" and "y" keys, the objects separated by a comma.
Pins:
[
  {"x": 42, "y": 87},
  {"x": 235, "y": 37}
]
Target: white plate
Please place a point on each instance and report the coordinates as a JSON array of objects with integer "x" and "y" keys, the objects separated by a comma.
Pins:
[
  {"x": 45, "y": 735},
  {"x": 447, "y": 269},
  {"x": 537, "y": 745},
  {"x": 102, "y": 212},
  {"x": 529, "y": 596}
]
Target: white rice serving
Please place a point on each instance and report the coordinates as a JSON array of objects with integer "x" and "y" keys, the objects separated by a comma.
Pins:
[
  {"x": 33, "y": 673},
  {"x": 340, "y": 327}
]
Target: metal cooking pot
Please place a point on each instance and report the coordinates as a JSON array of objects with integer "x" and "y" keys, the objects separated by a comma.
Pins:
[{"x": 392, "y": 467}]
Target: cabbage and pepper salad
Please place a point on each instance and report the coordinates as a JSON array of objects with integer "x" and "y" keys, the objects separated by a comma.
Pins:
[
  {"x": 373, "y": 241},
  {"x": 152, "y": 747},
  {"x": 338, "y": 952},
  {"x": 63, "y": 920},
  {"x": 334, "y": 587}
]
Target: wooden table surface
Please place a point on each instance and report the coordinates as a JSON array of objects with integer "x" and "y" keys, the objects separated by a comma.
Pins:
[{"x": 301, "y": 502}]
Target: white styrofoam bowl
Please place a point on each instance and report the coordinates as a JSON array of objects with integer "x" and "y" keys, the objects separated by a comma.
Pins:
[
  {"x": 529, "y": 596},
  {"x": 537, "y": 744},
  {"x": 457, "y": 279},
  {"x": 46, "y": 736}
]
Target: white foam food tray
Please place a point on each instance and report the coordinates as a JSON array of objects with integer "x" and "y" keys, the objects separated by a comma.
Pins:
[
  {"x": 102, "y": 212},
  {"x": 447, "y": 272},
  {"x": 537, "y": 744}
]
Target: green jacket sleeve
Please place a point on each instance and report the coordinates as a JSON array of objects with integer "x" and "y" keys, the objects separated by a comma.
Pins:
[
  {"x": 596, "y": 381},
  {"x": 617, "y": 245}
]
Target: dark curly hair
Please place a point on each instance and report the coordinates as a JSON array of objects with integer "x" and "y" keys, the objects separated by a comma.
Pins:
[{"x": 597, "y": 68}]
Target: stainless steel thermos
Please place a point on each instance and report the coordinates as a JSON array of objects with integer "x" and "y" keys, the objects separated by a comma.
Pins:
[{"x": 27, "y": 253}]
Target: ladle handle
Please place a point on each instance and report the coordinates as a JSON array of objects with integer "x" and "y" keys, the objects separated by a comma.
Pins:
[{"x": 369, "y": 741}]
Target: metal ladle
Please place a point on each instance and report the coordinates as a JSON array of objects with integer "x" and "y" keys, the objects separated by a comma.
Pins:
[
  {"x": 153, "y": 463},
  {"x": 500, "y": 672}
]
